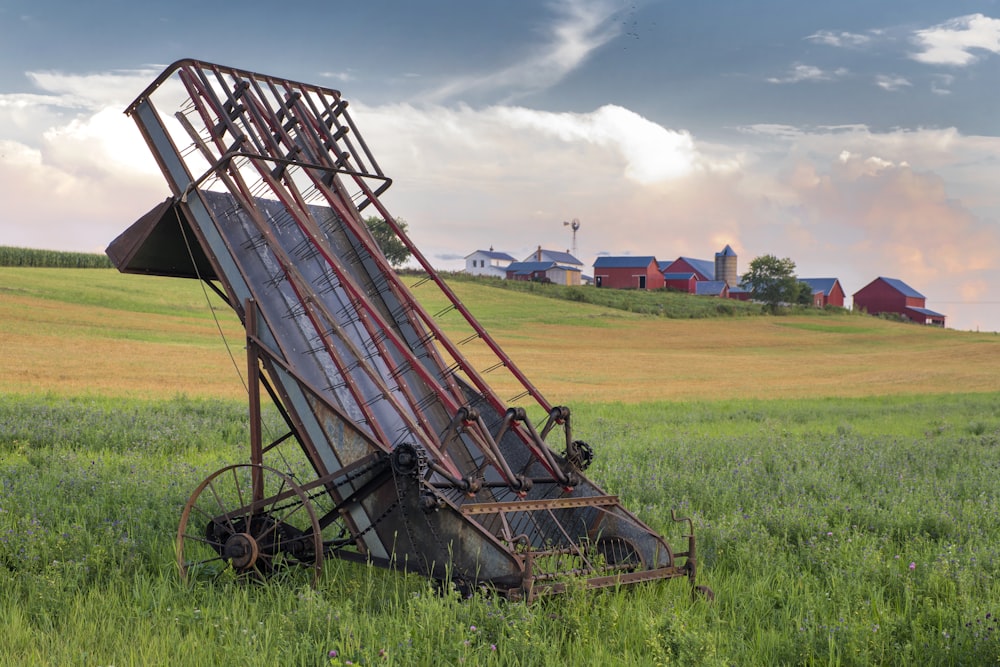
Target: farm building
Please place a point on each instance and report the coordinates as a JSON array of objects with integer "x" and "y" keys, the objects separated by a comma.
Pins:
[
  {"x": 628, "y": 272},
  {"x": 488, "y": 263},
  {"x": 826, "y": 291},
  {"x": 546, "y": 271},
  {"x": 564, "y": 258},
  {"x": 890, "y": 295},
  {"x": 717, "y": 288},
  {"x": 725, "y": 266},
  {"x": 572, "y": 267},
  {"x": 703, "y": 269},
  {"x": 682, "y": 282}
]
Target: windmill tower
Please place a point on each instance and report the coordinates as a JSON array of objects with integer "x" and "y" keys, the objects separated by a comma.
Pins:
[{"x": 574, "y": 225}]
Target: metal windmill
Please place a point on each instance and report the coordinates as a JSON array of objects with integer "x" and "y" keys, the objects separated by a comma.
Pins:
[{"x": 574, "y": 225}]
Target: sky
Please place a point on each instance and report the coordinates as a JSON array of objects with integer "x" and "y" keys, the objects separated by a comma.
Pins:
[{"x": 858, "y": 139}]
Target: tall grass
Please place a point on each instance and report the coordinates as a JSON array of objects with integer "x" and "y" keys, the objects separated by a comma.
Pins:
[{"x": 848, "y": 531}]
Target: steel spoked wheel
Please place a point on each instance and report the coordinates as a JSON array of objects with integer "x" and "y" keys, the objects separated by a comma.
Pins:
[{"x": 248, "y": 522}]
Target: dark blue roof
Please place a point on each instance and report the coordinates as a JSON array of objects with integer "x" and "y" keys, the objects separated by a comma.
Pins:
[
  {"x": 925, "y": 311},
  {"x": 709, "y": 287},
  {"x": 824, "y": 285},
  {"x": 623, "y": 262},
  {"x": 726, "y": 252},
  {"x": 555, "y": 256},
  {"x": 677, "y": 276},
  {"x": 492, "y": 254},
  {"x": 702, "y": 266},
  {"x": 530, "y": 267},
  {"x": 524, "y": 268},
  {"x": 902, "y": 287}
]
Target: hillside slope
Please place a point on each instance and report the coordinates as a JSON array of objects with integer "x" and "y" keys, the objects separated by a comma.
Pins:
[{"x": 95, "y": 331}]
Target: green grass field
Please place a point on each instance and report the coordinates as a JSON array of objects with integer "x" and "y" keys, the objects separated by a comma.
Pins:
[{"x": 841, "y": 473}]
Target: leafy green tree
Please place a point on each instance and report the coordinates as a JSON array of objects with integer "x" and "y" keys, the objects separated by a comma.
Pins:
[
  {"x": 772, "y": 281},
  {"x": 805, "y": 297},
  {"x": 393, "y": 249}
]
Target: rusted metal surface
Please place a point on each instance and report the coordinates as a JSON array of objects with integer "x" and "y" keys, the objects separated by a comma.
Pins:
[{"x": 410, "y": 456}]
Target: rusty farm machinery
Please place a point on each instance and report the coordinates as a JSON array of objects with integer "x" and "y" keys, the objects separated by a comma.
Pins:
[{"x": 392, "y": 448}]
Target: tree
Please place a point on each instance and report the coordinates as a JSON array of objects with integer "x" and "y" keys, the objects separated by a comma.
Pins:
[
  {"x": 772, "y": 281},
  {"x": 805, "y": 297},
  {"x": 393, "y": 249}
]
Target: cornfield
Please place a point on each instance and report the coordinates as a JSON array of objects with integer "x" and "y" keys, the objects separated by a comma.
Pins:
[{"x": 53, "y": 259}]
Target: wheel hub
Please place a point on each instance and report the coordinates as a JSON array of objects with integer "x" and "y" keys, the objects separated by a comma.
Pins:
[{"x": 241, "y": 550}]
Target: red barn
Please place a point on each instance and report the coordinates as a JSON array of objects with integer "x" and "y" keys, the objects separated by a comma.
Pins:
[
  {"x": 889, "y": 295},
  {"x": 702, "y": 268},
  {"x": 826, "y": 291},
  {"x": 628, "y": 272},
  {"x": 682, "y": 282}
]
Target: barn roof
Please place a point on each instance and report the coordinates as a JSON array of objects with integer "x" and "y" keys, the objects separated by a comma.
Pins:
[
  {"x": 902, "y": 287},
  {"x": 925, "y": 311},
  {"x": 709, "y": 287},
  {"x": 897, "y": 285},
  {"x": 703, "y": 266},
  {"x": 553, "y": 255},
  {"x": 623, "y": 262},
  {"x": 491, "y": 254},
  {"x": 526, "y": 268},
  {"x": 824, "y": 285},
  {"x": 678, "y": 276}
]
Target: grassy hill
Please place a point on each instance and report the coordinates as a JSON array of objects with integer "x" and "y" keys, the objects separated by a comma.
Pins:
[
  {"x": 857, "y": 530},
  {"x": 98, "y": 332}
]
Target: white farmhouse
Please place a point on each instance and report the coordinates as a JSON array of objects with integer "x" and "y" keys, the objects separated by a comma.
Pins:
[{"x": 488, "y": 263}]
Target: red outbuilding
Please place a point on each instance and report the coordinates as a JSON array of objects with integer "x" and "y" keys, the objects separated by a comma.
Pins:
[
  {"x": 703, "y": 269},
  {"x": 628, "y": 272},
  {"x": 889, "y": 295},
  {"x": 826, "y": 291}
]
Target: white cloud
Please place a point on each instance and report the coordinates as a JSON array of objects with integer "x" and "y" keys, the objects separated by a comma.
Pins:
[
  {"x": 92, "y": 91},
  {"x": 651, "y": 152},
  {"x": 343, "y": 77},
  {"x": 891, "y": 83},
  {"x": 953, "y": 42},
  {"x": 839, "y": 39},
  {"x": 809, "y": 73},
  {"x": 582, "y": 27}
]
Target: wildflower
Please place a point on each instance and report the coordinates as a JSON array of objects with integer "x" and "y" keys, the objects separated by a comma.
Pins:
[
  {"x": 332, "y": 653},
  {"x": 472, "y": 628},
  {"x": 913, "y": 566},
  {"x": 493, "y": 647}
]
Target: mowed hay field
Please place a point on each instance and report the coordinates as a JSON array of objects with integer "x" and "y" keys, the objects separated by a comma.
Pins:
[{"x": 72, "y": 332}]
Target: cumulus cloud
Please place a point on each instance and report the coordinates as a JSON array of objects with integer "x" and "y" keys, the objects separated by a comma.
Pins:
[{"x": 955, "y": 42}]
